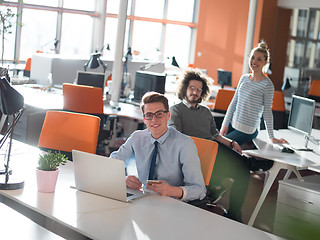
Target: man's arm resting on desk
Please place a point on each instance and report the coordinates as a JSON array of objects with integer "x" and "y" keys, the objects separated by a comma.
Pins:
[
  {"x": 162, "y": 187},
  {"x": 165, "y": 189}
]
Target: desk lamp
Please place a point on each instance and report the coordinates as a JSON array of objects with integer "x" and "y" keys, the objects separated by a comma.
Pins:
[
  {"x": 174, "y": 62},
  {"x": 12, "y": 103},
  {"x": 286, "y": 85},
  {"x": 95, "y": 62}
]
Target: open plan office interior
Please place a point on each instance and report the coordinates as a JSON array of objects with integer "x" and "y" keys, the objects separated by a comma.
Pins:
[{"x": 129, "y": 47}]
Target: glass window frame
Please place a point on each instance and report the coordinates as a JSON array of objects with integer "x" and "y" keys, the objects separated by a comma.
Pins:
[{"x": 100, "y": 14}]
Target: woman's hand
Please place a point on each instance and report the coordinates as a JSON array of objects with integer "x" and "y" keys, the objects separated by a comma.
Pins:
[
  {"x": 277, "y": 140},
  {"x": 224, "y": 130}
]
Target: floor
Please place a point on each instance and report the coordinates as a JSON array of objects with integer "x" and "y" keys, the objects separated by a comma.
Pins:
[{"x": 265, "y": 218}]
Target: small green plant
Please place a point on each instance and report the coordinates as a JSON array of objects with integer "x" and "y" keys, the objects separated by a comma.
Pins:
[{"x": 51, "y": 160}]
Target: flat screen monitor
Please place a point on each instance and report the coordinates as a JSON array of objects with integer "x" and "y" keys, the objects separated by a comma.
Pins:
[
  {"x": 148, "y": 81},
  {"x": 224, "y": 78},
  {"x": 301, "y": 115},
  {"x": 91, "y": 79}
]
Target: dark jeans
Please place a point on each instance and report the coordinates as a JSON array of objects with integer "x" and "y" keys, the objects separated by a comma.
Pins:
[{"x": 240, "y": 137}]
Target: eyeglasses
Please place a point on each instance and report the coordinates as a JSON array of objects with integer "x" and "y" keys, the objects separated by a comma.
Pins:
[
  {"x": 159, "y": 114},
  {"x": 192, "y": 88}
]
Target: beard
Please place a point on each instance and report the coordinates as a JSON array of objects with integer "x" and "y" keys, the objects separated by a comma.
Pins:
[{"x": 193, "y": 99}]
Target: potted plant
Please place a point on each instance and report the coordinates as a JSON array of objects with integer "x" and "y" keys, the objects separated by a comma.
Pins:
[{"x": 48, "y": 170}]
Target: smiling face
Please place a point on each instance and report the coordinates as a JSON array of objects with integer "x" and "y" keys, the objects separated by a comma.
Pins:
[
  {"x": 257, "y": 61},
  {"x": 194, "y": 91},
  {"x": 157, "y": 126}
]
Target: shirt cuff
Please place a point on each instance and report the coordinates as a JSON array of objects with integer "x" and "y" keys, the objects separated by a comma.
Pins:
[{"x": 184, "y": 195}]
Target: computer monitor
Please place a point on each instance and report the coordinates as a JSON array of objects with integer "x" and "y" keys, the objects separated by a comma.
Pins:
[
  {"x": 301, "y": 115},
  {"x": 224, "y": 78},
  {"x": 148, "y": 81},
  {"x": 93, "y": 79}
]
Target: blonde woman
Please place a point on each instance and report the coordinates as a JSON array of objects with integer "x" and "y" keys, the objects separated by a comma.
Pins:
[{"x": 252, "y": 99}]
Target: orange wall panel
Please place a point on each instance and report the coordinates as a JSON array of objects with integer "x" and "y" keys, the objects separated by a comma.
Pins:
[{"x": 221, "y": 36}]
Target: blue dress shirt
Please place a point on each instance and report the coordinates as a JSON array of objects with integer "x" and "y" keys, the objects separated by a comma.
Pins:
[{"x": 177, "y": 161}]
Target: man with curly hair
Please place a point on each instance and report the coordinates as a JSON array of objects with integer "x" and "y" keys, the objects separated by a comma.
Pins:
[{"x": 193, "y": 119}]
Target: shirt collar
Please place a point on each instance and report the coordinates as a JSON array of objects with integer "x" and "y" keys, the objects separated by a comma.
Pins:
[
  {"x": 162, "y": 138},
  {"x": 188, "y": 105}
]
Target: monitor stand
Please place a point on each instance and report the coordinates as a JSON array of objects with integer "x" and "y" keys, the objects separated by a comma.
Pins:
[{"x": 303, "y": 148}]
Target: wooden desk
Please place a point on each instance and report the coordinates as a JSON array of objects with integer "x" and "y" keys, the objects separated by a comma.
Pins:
[
  {"x": 292, "y": 162},
  {"x": 78, "y": 215}
]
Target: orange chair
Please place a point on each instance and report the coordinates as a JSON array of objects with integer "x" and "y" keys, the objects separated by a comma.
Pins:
[
  {"x": 88, "y": 99},
  {"x": 83, "y": 99},
  {"x": 65, "y": 131},
  {"x": 221, "y": 104},
  {"x": 207, "y": 151},
  {"x": 314, "y": 91},
  {"x": 278, "y": 111},
  {"x": 27, "y": 69},
  {"x": 278, "y": 102},
  {"x": 223, "y": 99}
]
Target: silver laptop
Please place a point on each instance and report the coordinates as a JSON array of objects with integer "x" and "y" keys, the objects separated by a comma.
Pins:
[{"x": 102, "y": 176}]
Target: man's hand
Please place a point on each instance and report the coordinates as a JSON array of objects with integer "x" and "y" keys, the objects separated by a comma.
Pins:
[
  {"x": 224, "y": 130},
  {"x": 277, "y": 140},
  {"x": 133, "y": 182},
  {"x": 237, "y": 147},
  {"x": 165, "y": 189}
]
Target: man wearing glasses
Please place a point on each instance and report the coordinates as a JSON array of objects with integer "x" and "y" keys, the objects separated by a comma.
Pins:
[
  {"x": 162, "y": 153},
  {"x": 196, "y": 120}
]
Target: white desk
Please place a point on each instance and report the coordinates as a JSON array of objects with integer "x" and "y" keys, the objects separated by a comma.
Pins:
[
  {"x": 79, "y": 215},
  {"x": 16, "y": 226},
  {"x": 292, "y": 162}
]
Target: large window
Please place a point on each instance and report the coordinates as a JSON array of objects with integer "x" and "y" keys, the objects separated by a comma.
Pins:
[
  {"x": 156, "y": 29},
  {"x": 303, "y": 47},
  {"x": 37, "y": 35}
]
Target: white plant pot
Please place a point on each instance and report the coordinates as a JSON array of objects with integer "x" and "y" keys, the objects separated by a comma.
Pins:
[{"x": 47, "y": 180}]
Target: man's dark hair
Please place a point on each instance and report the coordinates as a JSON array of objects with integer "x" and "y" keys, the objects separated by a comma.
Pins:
[
  {"x": 152, "y": 97},
  {"x": 194, "y": 74}
]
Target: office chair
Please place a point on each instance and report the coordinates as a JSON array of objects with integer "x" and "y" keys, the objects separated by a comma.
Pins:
[
  {"x": 314, "y": 91},
  {"x": 278, "y": 111},
  {"x": 65, "y": 131},
  {"x": 89, "y": 100},
  {"x": 222, "y": 101},
  {"x": 84, "y": 99},
  {"x": 207, "y": 152},
  {"x": 27, "y": 69}
]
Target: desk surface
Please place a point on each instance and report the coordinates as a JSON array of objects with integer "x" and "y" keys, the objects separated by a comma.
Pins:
[
  {"x": 16, "y": 226},
  {"x": 150, "y": 217},
  {"x": 302, "y": 159}
]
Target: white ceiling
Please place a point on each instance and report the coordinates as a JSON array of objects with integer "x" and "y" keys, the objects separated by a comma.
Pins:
[{"x": 299, "y": 4}]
